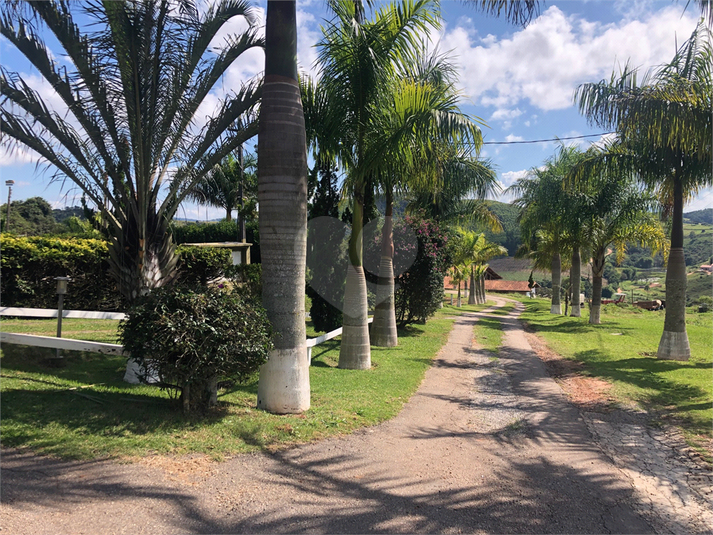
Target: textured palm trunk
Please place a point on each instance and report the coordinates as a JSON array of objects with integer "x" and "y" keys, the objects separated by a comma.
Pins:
[
  {"x": 556, "y": 307},
  {"x": 354, "y": 350},
  {"x": 597, "y": 274},
  {"x": 383, "y": 329},
  {"x": 282, "y": 193},
  {"x": 674, "y": 340},
  {"x": 481, "y": 287},
  {"x": 575, "y": 276},
  {"x": 458, "y": 302},
  {"x": 472, "y": 296}
]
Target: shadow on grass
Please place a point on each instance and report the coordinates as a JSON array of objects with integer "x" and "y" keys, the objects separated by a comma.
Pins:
[
  {"x": 86, "y": 398},
  {"x": 649, "y": 374}
]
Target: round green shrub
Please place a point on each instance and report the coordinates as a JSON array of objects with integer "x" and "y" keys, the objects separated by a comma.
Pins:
[{"x": 191, "y": 338}]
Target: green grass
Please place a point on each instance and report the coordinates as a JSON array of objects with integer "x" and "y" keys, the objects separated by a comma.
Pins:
[
  {"x": 85, "y": 410},
  {"x": 622, "y": 350},
  {"x": 77, "y": 329}
]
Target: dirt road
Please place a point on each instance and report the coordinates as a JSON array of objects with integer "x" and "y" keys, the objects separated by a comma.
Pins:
[{"x": 486, "y": 445}]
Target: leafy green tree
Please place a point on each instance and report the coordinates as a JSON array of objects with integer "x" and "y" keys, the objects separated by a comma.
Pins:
[
  {"x": 31, "y": 217},
  {"x": 131, "y": 89},
  {"x": 664, "y": 132},
  {"x": 548, "y": 215}
]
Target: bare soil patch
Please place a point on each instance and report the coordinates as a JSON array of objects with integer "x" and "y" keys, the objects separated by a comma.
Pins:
[{"x": 589, "y": 393}]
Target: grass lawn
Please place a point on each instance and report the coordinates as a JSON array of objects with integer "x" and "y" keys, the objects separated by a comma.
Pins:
[
  {"x": 622, "y": 350},
  {"x": 77, "y": 329},
  {"x": 85, "y": 410}
]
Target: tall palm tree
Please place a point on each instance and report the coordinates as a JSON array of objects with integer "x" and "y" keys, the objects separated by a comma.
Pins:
[
  {"x": 417, "y": 125},
  {"x": 131, "y": 92},
  {"x": 282, "y": 192},
  {"x": 357, "y": 60},
  {"x": 664, "y": 131},
  {"x": 545, "y": 206}
]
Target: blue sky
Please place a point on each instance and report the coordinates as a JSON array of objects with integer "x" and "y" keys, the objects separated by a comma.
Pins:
[{"x": 520, "y": 81}]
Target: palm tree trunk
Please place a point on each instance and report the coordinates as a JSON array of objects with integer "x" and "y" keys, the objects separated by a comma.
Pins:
[
  {"x": 483, "y": 297},
  {"x": 471, "y": 296},
  {"x": 282, "y": 192},
  {"x": 597, "y": 273},
  {"x": 383, "y": 330},
  {"x": 355, "y": 351},
  {"x": 556, "y": 307},
  {"x": 458, "y": 302},
  {"x": 575, "y": 277},
  {"x": 674, "y": 341}
]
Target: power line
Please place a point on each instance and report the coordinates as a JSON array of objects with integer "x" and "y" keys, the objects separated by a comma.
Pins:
[{"x": 543, "y": 140}]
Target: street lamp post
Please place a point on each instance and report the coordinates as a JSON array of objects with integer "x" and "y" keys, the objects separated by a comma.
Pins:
[{"x": 9, "y": 184}]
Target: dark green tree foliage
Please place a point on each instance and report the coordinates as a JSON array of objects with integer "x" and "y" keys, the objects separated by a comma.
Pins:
[
  {"x": 612, "y": 276},
  {"x": 248, "y": 277},
  {"x": 420, "y": 289},
  {"x": 509, "y": 237},
  {"x": 325, "y": 316},
  {"x": 200, "y": 265},
  {"x": 191, "y": 338},
  {"x": 32, "y": 217}
]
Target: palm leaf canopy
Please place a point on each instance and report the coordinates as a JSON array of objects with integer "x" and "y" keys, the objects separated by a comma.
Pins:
[
  {"x": 663, "y": 121},
  {"x": 132, "y": 93}
]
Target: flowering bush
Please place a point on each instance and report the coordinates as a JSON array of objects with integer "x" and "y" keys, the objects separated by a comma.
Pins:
[{"x": 420, "y": 289}]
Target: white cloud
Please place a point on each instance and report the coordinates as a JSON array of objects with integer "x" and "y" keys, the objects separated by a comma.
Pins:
[
  {"x": 545, "y": 62},
  {"x": 513, "y": 137},
  {"x": 510, "y": 177},
  {"x": 17, "y": 155}
]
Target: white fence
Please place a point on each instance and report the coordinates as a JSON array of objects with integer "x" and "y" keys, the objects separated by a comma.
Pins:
[{"x": 96, "y": 347}]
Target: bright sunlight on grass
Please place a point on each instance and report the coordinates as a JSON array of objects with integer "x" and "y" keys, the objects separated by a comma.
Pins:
[
  {"x": 622, "y": 350},
  {"x": 85, "y": 410}
]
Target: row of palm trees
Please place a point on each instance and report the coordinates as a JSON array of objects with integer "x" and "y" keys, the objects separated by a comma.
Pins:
[
  {"x": 607, "y": 196},
  {"x": 131, "y": 140}
]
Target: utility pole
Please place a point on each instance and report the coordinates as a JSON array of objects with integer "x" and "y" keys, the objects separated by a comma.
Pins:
[{"x": 9, "y": 184}]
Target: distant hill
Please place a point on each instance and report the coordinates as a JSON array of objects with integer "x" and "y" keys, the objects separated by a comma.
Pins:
[
  {"x": 510, "y": 237},
  {"x": 700, "y": 216}
]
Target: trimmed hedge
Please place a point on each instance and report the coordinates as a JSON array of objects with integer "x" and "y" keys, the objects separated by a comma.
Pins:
[{"x": 28, "y": 266}]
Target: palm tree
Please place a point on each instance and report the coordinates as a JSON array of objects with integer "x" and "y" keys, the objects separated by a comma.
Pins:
[
  {"x": 282, "y": 192},
  {"x": 357, "y": 61},
  {"x": 545, "y": 208},
  {"x": 418, "y": 123},
  {"x": 618, "y": 213},
  {"x": 226, "y": 185},
  {"x": 664, "y": 134},
  {"x": 131, "y": 91},
  {"x": 474, "y": 250}
]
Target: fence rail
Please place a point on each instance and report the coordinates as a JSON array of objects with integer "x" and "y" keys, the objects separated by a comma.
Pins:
[
  {"x": 97, "y": 347},
  {"x": 52, "y": 313},
  {"x": 61, "y": 343}
]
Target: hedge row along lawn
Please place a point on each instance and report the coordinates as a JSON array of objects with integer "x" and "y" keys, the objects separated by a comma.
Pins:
[
  {"x": 86, "y": 411},
  {"x": 622, "y": 350}
]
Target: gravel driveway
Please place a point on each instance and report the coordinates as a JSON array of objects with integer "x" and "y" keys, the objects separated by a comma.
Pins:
[{"x": 486, "y": 445}]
